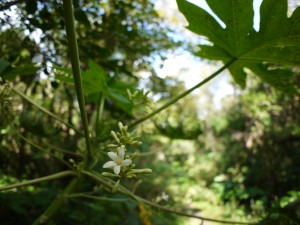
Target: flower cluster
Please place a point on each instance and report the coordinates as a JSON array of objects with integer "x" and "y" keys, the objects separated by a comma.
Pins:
[{"x": 122, "y": 162}]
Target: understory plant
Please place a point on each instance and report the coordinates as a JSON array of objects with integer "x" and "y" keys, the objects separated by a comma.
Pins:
[{"x": 105, "y": 156}]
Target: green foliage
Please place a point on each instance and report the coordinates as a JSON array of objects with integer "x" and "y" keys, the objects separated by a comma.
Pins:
[
  {"x": 240, "y": 164},
  {"x": 267, "y": 53},
  {"x": 259, "y": 145}
]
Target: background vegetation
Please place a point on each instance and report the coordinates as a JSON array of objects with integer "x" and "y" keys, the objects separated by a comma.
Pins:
[{"x": 237, "y": 163}]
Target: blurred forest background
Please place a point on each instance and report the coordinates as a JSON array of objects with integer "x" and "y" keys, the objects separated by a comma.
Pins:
[{"x": 238, "y": 160}]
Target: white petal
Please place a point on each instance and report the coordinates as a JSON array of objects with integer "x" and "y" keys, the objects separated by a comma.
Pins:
[
  {"x": 126, "y": 162},
  {"x": 109, "y": 164},
  {"x": 113, "y": 156},
  {"x": 117, "y": 169},
  {"x": 121, "y": 153}
]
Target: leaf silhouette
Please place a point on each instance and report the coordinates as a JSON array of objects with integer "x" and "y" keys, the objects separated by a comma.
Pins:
[{"x": 269, "y": 53}]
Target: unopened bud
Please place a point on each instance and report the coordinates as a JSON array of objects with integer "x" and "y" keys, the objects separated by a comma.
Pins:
[
  {"x": 112, "y": 146},
  {"x": 136, "y": 171},
  {"x": 115, "y": 136},
  {"x": 124, "y": 132},
  {"x": 131, "y": 176},
  {"x": 106, "y": 174},
  {"x": 134, "y": 155},
  {"x": 120, "y": 124},
  {"x": 136, "y": 143}
]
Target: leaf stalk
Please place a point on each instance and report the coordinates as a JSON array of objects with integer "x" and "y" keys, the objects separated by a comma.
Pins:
[
  {"x": 182, "y": 95},
  {"x": 39, "y": 180}
]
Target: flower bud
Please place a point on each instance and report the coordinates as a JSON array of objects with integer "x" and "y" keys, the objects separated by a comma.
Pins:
[
  {"x": 138, "y": 171},
  {"x": 115, "y": 136},
  {"x": 131, "y": 176},
  {"x": 120, "y": 124},
  {"x": 136, "y": 143},
  {"x": 112, "y": 146},
  {"x": 124, "y": 132},
  {"x": 134, "y": 155},
  {"x": 106, "y": 174}
]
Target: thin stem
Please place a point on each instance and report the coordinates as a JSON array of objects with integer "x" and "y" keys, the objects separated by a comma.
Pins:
[
  {"x": 43, "y": 150},
  {"x": 125, "y": 191},
  {"x": 95, "y": 197},
  {"x": 182, "y": 95},
  {"x": 39, "y": 180},
  {"x": 74, "y": 55},
  {"x": 73, "y": 51},
  {"x": 46, "y": 111}
]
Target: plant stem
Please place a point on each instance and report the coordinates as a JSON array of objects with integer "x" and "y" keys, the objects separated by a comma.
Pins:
[
  {"x": 74, "y": 55},
  {"x": 43, "y": 150},
  {"x": 125, "y": 191},
  {"x": 46, "y": 111},
  {"x": 38, "y": 180},
  {"x": 182, "y": 95},
  {"x": 96, "y": 197},
  {"x": 73, "y": 51}
]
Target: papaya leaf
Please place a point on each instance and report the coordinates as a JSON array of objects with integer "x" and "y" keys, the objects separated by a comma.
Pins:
[{"x": 276, "y": 44}]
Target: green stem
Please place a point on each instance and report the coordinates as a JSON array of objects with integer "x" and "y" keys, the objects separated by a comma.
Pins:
[
  {"x": 96, "y": 197},
  {"x": 43, "y": 150},
  {"x": 46, "y": 111},
  {"x": 73, "y": 51},
  {"x": 182, "y": 95},
  {"x": 38, "y": 180},
  {"x": 125, "y": 191},
  {"x": 74, "y": 55}
]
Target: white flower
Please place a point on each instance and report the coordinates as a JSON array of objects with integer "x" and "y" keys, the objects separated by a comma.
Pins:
[
  {"x": 118, "y": 160},
  {"x": 164, "y": 196}
]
